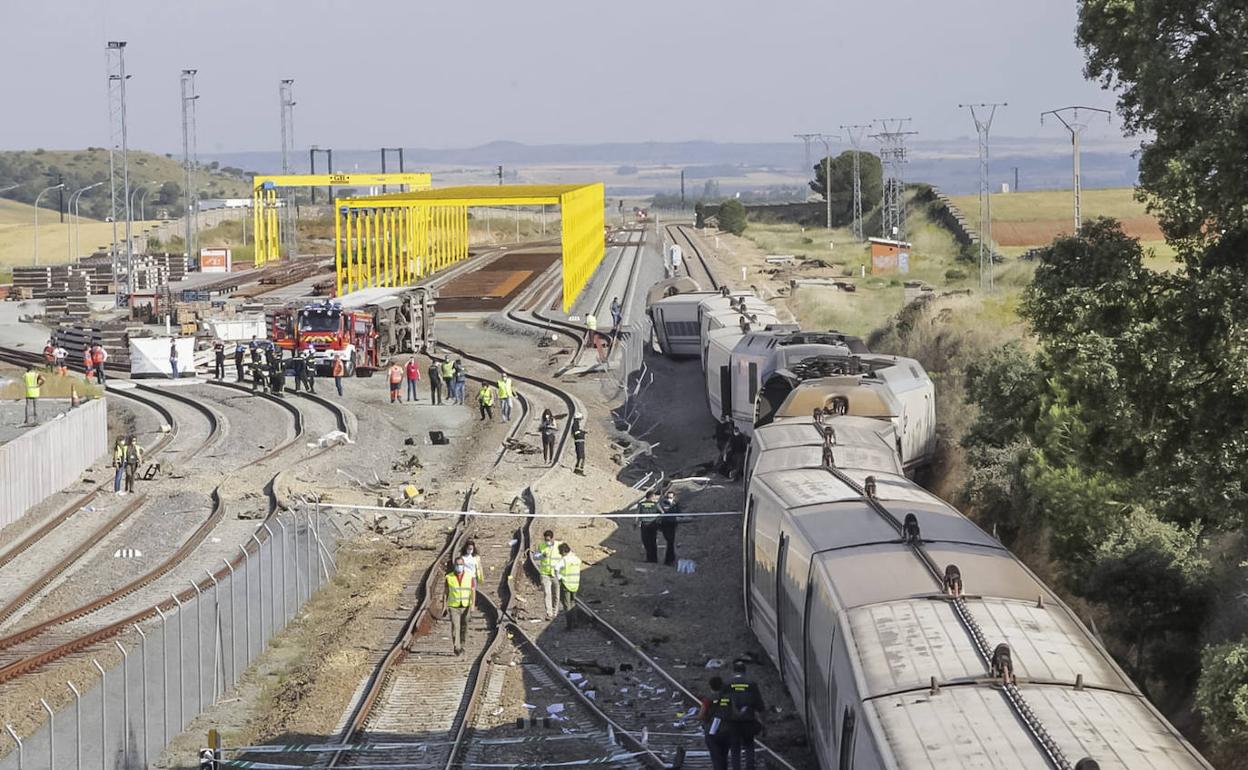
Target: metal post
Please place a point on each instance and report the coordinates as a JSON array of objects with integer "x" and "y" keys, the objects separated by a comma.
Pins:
[
  {"x": 21, "y": 750},
  {"x": 260, "y": 586},
  {"x": 309, "y": 557},
  {"x": 181, "y": 657},
  {"x": 77, "y": 726},
  {"x": 247, "y": 595},
  {"x": 216, "y": 628},
  {"x": 143, "y": 680},
  {"x": 827, "y": 180},
  {"x": 51, "y": 734},
  {"x": 285, "y": 550},
  {"x": 164, "y": 678},
  {"x": 125, "y": 703},
  {"x": 294, "y": 528},
  {"x": 233, "y": 666},
  {"x": 272, "y": 579},
  {"x": 199, "y": 646},
  {"x": 103, "y": 713},
  {"x": 37, "y": 199}
]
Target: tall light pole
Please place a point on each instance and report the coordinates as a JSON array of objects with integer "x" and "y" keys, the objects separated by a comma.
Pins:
[
  {"x": 1069, "y": 117},
  {"x": 189, "y": 153},
  {"x": 75, "y": 200},
  {"x": 38, "y": 197},
  {"x": 119, "y": 140},
  {"x": 827, "y": 175},
  {"x": 286, "y": 96},
  {"x": 983, "y": 114}
]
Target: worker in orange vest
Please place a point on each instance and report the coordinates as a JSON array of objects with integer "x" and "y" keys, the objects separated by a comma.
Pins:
[{"x": 338, "y": 370}]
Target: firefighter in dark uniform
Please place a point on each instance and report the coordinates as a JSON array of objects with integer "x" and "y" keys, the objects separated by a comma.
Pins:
[
  {"x": 746, "y": 717},
  {"x": 650, "y": 514},
  {"x": 277, "y": 373}
]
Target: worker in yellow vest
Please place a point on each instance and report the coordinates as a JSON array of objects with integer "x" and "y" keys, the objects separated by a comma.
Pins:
[
  {"x": 458, "y": 603},
  {"x": 569, "y": 582},
  {"x": 33, "y": 380},
  {"x": 505, "y": 391},
  {"x": 547, "y": 557},
  {"x": 485, "y": 400}
]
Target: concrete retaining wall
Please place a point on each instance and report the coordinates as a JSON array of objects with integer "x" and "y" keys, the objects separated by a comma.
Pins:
[{"x": 52, "y": 456}]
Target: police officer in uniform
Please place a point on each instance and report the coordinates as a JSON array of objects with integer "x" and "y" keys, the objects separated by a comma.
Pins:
[
  {"x": 650, "y": 514},
  {"x": 745, "y": 717},
  {"x": 218, "y": 351},
  {"x": 578, "y": 441},
  {"x": 714, "y": 716},
  {"x": 667, "y": 525}
]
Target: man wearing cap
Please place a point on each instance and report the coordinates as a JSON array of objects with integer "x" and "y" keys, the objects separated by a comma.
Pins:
[{"x": 578, "y": 441}]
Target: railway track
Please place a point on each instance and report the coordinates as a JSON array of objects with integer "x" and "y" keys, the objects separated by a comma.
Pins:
[
  {"x": 703, "y": 274},
  {"x": 39, "y": 645}
]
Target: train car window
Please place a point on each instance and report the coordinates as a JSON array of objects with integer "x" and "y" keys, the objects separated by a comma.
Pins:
[
  {"x": 847, "y": 740},
  {"x": 750, "y": 509},
  {"x": 725, "y": 391},
  {"x": 781, "y": 550}
]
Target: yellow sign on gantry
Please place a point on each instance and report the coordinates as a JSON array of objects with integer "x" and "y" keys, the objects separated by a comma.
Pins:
[
  {"x": 395, "y": 240},
  {"x": 265, "y": 222}
]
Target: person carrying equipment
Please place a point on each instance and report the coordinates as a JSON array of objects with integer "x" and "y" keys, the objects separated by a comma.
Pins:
[
  {"x": 714, "y": 717},
  {"x": 485, "y": 400},
  {"x": 745, "y": 716},
  {"x": 578, "y": 441},
  {"x": 458, "y": 603},
  {"x": 569, "y": 583},
  {"x": 547, "y": 557},
  {"x": 650, "y": 513}
]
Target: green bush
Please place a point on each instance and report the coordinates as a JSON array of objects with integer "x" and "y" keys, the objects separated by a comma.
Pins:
[
  {"x": 954, "y": 274},
  {"x": 732, "y": 217}
]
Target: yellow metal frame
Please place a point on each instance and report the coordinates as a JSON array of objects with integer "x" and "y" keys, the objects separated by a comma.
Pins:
[
  {"x": 265, "y": 222},
  {"x": 397, "y": 239}
]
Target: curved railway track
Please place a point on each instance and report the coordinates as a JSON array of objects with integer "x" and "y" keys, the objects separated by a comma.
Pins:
[{"x": 53, "y": 643}]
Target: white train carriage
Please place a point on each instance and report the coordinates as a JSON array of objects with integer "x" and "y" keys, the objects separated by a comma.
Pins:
[
  {"x": 760, "y": 354},
  {"x": 673, "y": 308},
  {"x": 883, "y": 387},
  {"x": 724, "y": 321},
  {"x": 884, "y": 671}
]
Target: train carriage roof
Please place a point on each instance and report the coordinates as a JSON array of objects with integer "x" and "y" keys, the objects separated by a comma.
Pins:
[
  {"x": 902, "y": 644},
  {"x": 872, "y": 574},
  {"x": 973, "y": 726},
  {"x": 989, "y": 571},
  {"x": 789, "y": 458},
  {"x": 802, "y": 487}
]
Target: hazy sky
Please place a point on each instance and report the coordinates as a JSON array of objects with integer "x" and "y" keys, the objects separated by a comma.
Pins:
[{"x": 458, "y": 73}]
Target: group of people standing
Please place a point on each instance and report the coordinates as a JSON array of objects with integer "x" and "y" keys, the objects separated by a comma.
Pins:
[
  {"x": 127, "y": 456},
  {"x": 732, "y": 717}
]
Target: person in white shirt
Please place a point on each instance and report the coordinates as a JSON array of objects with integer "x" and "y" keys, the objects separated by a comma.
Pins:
[{"x": 472, "y": 562}]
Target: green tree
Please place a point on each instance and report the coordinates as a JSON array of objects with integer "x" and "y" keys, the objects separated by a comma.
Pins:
[
  {"x": 841, "y": 168},
  {"x": 1222, "y": 691},
  {"x": 169, "y": 193},
  {"x": 1177, "y": 66},
  {"x": 732, "y": 217}
]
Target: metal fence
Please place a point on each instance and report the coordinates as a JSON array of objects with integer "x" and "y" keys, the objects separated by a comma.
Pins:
[
  {"x": 52, "y": 456},
  {"x": 172, "y": 668}
]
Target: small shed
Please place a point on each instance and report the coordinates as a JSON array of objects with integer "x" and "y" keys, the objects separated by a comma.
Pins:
[{"x": 888, "y": 256}]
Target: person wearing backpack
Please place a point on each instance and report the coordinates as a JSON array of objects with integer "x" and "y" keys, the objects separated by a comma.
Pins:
[{"x": 745, "y": 717}]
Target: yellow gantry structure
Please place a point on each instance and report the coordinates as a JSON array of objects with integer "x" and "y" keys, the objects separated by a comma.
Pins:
[
  {"x": 264, "y": 206},
  {"x": 395, "y": 240}
]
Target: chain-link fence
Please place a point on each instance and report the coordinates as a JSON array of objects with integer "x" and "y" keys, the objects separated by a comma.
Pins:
[{"x": 165, "y": 671}]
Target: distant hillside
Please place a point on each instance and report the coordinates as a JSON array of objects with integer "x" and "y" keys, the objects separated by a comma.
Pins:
[
  {"x": 1043, "y": 163},
  {"x": 162, "y": 176}
]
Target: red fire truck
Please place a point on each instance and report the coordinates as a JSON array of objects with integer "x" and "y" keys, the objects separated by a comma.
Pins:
[{"x": 363, "y": 328}]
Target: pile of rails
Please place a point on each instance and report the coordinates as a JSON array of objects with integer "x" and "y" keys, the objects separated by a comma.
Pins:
[{"x": 114, "y": 336}]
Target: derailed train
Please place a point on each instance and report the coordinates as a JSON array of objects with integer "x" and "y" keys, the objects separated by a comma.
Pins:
[{"x": 908, "y": 636}]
